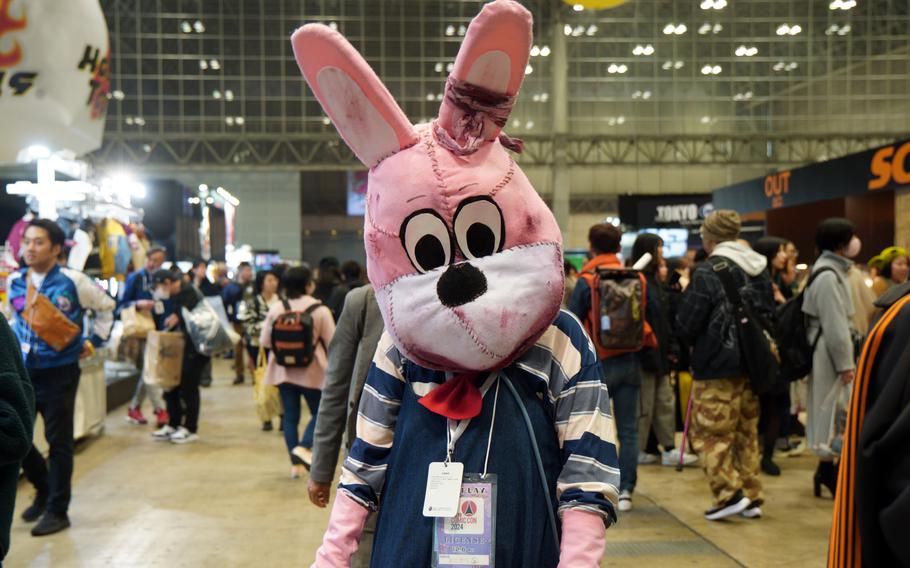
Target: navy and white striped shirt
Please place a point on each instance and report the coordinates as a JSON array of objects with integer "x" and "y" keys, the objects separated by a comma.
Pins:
[{"x": 564, "y": 366}]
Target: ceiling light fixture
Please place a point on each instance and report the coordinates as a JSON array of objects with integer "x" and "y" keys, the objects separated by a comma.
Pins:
[
  {"x": 528, "y": 69},
  {"x": 842, "y": 5},
  {"x": 713, "y": 4},
  {"x": 545, "y": 51},
  {"x": 450, "y": 30},
  {"x": 592, "y": 29},
  {"x": 743, "y": 51},
  {"x": 229, "y": 95},
  {"x": 578, "y": 8},
  {"x": 711, "y": 70},
  {"x": 216, "y": 94},
  {"x": 786, "y": 29},
  {"x": 620, "y": 68},
  {"x": 643, "y": 49},
  {"x": 743, "y": 96},
  {"x": 675, "y": 29},
  {"x": 203, "y": 64},
  {"x": 535, "y": 51},
  {"x": 214, "y": 64},
  {"x": 199, "y": 27},
  {"x": 186, "y": 27}
]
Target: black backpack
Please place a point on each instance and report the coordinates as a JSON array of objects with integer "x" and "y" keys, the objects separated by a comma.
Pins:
[
  {"x": 293, "y": 337},
  {"x": 796, "y": 352},
  {"x": 757, "y": 346}
]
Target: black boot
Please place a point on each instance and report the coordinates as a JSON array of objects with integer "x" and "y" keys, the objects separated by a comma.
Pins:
[
  {"x": 769, "y": 467},
  {"x": 51, "y": 523},
  {"x": 767, "y": 463},
  {"x": 36, "y": 509},
  {"x": 826, "y": 475}
]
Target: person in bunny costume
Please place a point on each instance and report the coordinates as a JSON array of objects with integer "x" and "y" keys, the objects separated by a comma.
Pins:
[{"x": 480, "y": 378}]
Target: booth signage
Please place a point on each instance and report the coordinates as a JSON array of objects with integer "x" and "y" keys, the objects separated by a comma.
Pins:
[
  {"x": 687, "y": 210},
  {"x": 879, "y": 169},
  {"x": 54, "y": 75}
]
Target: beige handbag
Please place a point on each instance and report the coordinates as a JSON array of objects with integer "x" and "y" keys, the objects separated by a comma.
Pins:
[
  {"x": 47, "y": 322},
  {"x": 136, "y": 323}
]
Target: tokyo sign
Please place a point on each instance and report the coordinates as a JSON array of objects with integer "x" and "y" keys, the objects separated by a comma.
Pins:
[{"x": 54, "y": 75}]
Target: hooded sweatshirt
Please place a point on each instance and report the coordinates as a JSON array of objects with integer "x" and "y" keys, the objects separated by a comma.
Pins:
[{"x": 705, "y": 318}]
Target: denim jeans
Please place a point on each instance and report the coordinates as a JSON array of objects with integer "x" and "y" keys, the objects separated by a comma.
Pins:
[
  {"x": 623, "y": 378},
  {"x": 290, "y": 399}
]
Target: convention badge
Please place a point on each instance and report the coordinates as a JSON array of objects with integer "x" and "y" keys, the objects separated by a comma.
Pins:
[
  {"x": 469, "y": 537},
  {"x": 443, "y": 489},
  {"x": 26, "y": 349},
  {"x": 159, "y": 307}
]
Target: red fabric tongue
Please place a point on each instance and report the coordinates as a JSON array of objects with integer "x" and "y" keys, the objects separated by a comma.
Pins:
[{"x": 458, "y": 398}]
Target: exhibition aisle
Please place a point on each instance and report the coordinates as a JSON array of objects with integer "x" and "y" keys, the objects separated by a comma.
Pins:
[{"x": 228, "y": 501}]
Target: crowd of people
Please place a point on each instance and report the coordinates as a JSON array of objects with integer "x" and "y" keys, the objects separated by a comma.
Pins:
[{"x": 688, "y": 370}]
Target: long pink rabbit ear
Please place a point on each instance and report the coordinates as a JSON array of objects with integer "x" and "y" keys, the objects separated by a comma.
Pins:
[
  {"x": 362, "y": 109},
  {"x": 493, "y": 56}
]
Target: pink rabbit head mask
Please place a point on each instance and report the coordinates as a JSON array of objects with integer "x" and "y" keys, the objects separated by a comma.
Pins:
[{"x": 465, "y": 257}]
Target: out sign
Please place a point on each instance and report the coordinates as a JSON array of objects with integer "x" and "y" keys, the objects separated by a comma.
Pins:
[{"x": 776, "y": 185}]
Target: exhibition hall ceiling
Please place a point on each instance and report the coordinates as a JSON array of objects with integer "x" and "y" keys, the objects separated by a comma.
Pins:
[{"x": 199, "y": 68}]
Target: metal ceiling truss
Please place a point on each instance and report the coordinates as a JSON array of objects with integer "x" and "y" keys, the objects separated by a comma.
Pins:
[{"x": 328, "y": 152}]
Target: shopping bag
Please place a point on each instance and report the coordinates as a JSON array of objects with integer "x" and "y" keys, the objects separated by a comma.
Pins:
[
  {"x": 136, "y": 323},
  {"x": 207, "y": 331},
  {"x": 838, "y": 400},
  {"x": 163, "y": 360},
  {"x": 268, "y": 403},
  {"x": 48, "y": 322}
]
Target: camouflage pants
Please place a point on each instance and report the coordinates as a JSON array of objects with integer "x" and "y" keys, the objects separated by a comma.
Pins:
[{"x": 725, "y": 433}]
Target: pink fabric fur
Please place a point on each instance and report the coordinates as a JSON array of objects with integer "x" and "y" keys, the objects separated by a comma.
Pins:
[{"x": 473, "y": 311}]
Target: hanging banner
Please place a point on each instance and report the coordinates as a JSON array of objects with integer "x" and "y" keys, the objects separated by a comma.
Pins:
[
  {"x": 54, "y": 76},
  {"x": 880, "y": 169},
  {"x": 669, "y": 210}
]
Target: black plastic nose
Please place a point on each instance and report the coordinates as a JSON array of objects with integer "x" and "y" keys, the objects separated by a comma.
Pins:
[{"x": 460, "y": 284}]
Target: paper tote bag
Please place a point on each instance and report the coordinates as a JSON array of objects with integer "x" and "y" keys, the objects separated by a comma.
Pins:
[
  {"x": 136, "y": 323},
  {"x": 163, "y": 360}
]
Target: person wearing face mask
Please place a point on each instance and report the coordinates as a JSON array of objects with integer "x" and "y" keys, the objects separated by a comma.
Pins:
[
  {"x": 828, "y": 305},
  {"x": 183, "y": 402},
  {"x": 138, "y": 292}
]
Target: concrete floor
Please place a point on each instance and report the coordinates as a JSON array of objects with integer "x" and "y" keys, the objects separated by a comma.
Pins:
[{"x": 229, "y": 501}]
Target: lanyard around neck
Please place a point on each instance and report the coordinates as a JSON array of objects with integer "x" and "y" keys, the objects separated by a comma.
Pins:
[{"x": 456, "y": 428}]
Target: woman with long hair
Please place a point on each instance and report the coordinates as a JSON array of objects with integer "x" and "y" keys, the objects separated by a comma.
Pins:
[
  {"x": 295, "y": 383},
  {"x": 775, "y": 405},
  {"x": 251, "y": 315},
  {"x": 657, "y": 410}
]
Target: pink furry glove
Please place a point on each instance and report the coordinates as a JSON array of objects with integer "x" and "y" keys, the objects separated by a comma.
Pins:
[
  {"x": 582, "y": 540},
  {"x": 343, "y": 533}
]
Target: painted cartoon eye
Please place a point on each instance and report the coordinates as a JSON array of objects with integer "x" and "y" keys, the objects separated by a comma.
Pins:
[
  {"x": 479, "y": 227},
  {"x": 426, "y": 239}
]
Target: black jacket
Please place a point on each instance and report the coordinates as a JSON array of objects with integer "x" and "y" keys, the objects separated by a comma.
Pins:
[
  {"x": 657, "y": 312},
  {"x": 17, "y": 416},
  {"x": 705, "y": 319}
]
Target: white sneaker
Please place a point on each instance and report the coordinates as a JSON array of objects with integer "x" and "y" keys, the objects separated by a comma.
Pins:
[
  {"x": 671, "y": 458},
  {"x": 163, "y": 434},
  {"x": 753, "y": 511},
  {"x": 183, "y": 436},
  {"x": 625, "y": 501},
  {"x": 645, "y": 458}
]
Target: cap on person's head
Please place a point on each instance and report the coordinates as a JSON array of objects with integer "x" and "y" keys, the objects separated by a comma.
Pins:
[
  {"x": 721, "y": 225},
  {"x": 163, "y": 275},
  {"x": 888, "y": 256}
]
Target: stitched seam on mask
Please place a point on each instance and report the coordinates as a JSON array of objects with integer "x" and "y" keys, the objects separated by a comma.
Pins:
[
  {"x": 487, "y": 351},
  {"x": 437, "y": 171},
  {"x": 393, "y": 152},
  {"x": 376, "y": 227},
  {"x": 506, "y": 179}
]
